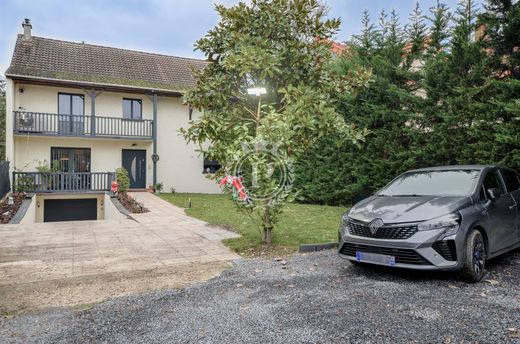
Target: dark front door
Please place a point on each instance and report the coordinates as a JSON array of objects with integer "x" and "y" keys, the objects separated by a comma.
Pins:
[
  {"x": 134, "y": 161},
  {"x": 69, "y": 209}
]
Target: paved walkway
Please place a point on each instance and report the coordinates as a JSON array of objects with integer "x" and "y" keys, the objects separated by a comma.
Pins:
[{"x": 163, "y": 238}]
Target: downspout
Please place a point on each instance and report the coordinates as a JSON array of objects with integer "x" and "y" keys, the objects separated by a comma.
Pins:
[{"x": 154, "y": 136}]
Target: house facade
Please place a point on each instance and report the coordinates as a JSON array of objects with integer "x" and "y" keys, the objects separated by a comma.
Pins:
[{"x": 75, "y": 112}]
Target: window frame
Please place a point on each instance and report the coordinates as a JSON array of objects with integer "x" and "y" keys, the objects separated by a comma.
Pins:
[
  {"x": 71, "y": 151},
  {"x": 502, "y": 174},
  {"x": 82, "y": 96},
  {"x": 208, "y": 163},
  {"x": 132, "y": 100},
  {"x": 500, "y": 178}
]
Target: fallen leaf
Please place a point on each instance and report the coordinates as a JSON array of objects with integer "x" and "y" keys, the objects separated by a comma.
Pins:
[
  {"x": 259, "y": 270},
  {"x": 447, "y": 340},
  {"x": 492, "y": 281},
  {"x": 513, "y": 332},
  {"x": 482, "y": 294},
  {"x": 239, "y": 285}
]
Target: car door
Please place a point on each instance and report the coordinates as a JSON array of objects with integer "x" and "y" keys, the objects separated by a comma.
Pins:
[
  {"x": 512, "y": 181},
  {"x": 502, "y": 213}
]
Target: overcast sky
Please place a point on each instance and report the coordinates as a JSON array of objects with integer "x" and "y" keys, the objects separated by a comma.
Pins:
[{"x": 163, "y": 26}]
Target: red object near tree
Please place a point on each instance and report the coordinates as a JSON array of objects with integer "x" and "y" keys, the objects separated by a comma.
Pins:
[
  {"x": 114, "y": 187},
  {"x": 236, "y": 183}
]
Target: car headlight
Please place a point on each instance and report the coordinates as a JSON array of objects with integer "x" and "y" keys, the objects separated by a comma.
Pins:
[
  {"x": 344, "y": 223},
  {"x": 451, "y": 222}
]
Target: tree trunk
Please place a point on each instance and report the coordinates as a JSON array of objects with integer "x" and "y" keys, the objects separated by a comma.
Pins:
[{"x": 267, "y": 233}]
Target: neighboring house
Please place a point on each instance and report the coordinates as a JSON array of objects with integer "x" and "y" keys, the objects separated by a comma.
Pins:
[{"x": 87, "y": 110}]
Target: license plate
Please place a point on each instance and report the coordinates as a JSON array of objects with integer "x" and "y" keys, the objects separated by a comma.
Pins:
[{"x": 375, "y": 258}]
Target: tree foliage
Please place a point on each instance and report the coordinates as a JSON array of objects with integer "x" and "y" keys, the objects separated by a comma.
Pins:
[
  {"x": 282, "y": 45},
  {"x": 460, "y": 106}
]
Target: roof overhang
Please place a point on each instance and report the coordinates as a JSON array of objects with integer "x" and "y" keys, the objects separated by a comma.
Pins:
[{"x": 94, "y": 85}]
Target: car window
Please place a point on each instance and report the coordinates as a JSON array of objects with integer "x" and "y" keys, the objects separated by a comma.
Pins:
[
  {"x": 433, "y": 183},
  {"x": 482, "y": 194},
  {"x": 511, "y": 180},
  {"x": 493, "y": 181}
]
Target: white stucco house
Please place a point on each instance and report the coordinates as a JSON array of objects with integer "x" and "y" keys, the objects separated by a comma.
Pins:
[{"x": 89, "y": 109}]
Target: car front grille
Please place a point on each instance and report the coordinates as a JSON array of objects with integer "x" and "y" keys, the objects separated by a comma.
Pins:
[
  {"x": 402, "y": 255},
  {"x": 446, "y": 249},
  {"x": 385, "y": 232}
]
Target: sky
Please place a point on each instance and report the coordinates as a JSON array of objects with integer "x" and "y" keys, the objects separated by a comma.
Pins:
[{"x": 162, "y": 26}]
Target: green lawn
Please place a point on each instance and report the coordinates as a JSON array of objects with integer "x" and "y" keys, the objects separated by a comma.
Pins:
[{"x": 300, "y": 223}]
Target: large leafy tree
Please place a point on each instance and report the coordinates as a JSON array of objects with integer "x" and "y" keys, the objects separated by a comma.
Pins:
[{"x": 282, "y": 45}]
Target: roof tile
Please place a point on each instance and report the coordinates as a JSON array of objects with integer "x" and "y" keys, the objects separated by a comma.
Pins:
[{"x": 61, "y": 60}]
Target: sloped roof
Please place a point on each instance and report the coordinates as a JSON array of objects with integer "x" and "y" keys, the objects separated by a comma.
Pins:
[{"x": 60, "y": 60}]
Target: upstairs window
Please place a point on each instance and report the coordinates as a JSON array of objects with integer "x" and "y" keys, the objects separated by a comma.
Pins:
[{"x": 132, "y": 108}]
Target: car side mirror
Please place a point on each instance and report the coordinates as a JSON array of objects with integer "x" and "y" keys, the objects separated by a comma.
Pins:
[{"x": 494, "y": 193}]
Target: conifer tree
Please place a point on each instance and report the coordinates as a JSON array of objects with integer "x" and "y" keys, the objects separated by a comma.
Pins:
[{"x": 440, "y": 19}]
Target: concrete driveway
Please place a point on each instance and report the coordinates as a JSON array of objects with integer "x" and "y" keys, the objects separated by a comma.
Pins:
[{"x": 163, "y": 238}]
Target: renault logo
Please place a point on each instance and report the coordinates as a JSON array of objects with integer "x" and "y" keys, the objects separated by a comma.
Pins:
[{"x": 375, "y": 225}]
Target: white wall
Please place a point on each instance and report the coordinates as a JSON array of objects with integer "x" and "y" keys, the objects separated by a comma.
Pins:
[
  {"x": 105, "y": 155},
  {"x": 111, "y": 212},
  {"x": 180, "y": 166},
  {"x": 9, "y": 107},
  {"x": 38, "y": 98},
  {"x": 30, "y": 214}
]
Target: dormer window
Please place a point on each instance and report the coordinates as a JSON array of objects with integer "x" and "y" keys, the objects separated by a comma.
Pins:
[{"x": 132, "y": 108}]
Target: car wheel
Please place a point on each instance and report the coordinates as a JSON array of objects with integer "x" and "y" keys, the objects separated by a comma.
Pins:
[
  {"x": 355, "y": 262},
  {"x": 474, "y": 257}
]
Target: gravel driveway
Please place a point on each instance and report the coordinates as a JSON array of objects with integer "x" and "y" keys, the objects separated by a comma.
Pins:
[{"x": 311, "y": 298}]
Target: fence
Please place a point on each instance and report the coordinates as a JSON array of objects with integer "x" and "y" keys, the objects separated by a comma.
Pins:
[
  {"x": 62, "y": 181},
  {"x": 4, "y": 178}
]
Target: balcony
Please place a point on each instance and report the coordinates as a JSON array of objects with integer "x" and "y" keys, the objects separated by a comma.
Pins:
[
  {"x": 50, "y": 124},
  {"x": 39, "y": 182}
]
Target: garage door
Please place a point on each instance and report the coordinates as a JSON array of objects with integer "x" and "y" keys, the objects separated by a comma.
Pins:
[{"x": 69, "y": 210}]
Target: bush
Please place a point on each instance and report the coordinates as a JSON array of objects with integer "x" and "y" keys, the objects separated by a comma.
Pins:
[
  {"x": 158, "y": 187},
  {"x": 122, "y": 180}
]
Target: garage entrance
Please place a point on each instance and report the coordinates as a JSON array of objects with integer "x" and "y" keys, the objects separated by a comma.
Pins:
[{"x": 55, "y": 210}]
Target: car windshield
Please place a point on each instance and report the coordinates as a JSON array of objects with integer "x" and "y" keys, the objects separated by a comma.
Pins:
[{"x": 432, "y": 183}]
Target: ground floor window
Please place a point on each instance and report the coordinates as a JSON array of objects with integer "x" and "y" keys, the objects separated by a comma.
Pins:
[
  {"x": 71, "y": 159},
  {"x": 210, "y": 166}
]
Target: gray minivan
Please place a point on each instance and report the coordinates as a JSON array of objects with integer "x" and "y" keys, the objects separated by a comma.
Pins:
[{"x": 439, "y": 218}]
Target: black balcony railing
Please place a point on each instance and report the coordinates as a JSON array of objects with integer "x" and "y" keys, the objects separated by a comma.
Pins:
[
  {"x": 62, "y": 181},
  {"x": 39, "y": 123}
]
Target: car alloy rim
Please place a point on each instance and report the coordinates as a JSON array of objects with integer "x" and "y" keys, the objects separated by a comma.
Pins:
[{"x": 478, "y": 256}]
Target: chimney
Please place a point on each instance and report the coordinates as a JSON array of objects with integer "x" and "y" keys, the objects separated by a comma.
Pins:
[{"x": 26, "y": 28}]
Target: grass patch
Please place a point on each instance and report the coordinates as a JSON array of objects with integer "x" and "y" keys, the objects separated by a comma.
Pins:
[{"x": 299, "y": 224}]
